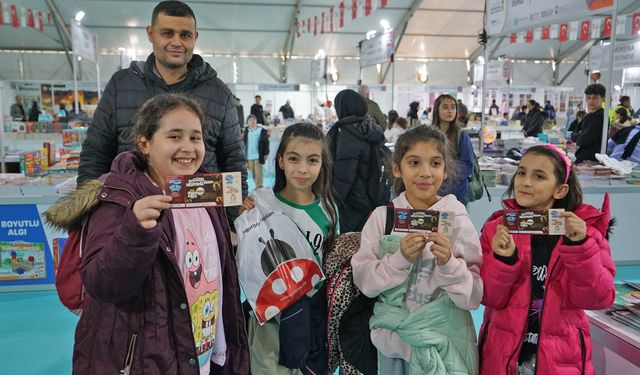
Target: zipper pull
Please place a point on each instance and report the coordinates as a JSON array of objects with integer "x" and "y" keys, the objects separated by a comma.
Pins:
[{"x": 129, "y": 358}]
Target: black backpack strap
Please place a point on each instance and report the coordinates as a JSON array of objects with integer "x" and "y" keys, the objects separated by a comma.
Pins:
[
  {"x": 631, "y": 146},
  {"x": 388, "y": 226}
]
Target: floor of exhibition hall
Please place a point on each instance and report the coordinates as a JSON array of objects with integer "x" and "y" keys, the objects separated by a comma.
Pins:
[{"x": 37, "y": 331}]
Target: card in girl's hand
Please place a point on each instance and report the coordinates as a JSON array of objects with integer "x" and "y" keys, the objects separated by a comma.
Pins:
[
  {"x": 203, "y": 190},
  {"x": 408, "y": 220},
  {"x": 546, "y": 222}
]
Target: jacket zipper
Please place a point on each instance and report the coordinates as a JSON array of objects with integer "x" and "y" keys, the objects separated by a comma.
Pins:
[
  {"x": 583, "y": 350},
  {"x": 130, "y": 351},
  {"x": 544, "y": 296}
]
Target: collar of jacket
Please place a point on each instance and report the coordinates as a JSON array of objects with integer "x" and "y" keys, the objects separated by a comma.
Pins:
[{"x": 198, "y": 71}]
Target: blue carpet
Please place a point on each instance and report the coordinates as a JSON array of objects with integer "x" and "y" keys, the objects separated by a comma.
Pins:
[{"x": 36, "y": 334}]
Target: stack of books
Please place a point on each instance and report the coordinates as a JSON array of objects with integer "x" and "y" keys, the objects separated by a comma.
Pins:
[{"x": 626, "y": 307}]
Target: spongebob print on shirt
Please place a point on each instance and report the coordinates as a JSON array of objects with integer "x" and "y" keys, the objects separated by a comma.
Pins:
[{"x": 199, "y": 262}]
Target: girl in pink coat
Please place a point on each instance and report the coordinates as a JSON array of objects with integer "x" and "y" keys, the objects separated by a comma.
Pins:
[{"x": 536, "y": 287}]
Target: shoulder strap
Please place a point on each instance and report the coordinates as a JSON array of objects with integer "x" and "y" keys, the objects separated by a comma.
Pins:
[
  {"x": 388, "y": 226},
  {"x": 631, "y": 146}
]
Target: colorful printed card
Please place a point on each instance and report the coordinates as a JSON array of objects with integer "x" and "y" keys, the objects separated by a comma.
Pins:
[
  {"x": 205, "y": 190},
  {"x": 546, "y": 222},
  {"x": 408, "y": 220}
]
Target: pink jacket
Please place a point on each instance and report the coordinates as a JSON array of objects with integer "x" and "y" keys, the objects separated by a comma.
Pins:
[
  {"x": 459, "y": 277},
  {"x": 580, "y": 278}
]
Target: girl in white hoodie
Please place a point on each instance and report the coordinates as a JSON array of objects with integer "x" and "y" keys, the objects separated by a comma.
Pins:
[{"x": 423, "y": 267}]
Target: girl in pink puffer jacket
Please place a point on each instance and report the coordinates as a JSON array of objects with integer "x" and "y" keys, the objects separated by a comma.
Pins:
[{"x": 536, "y": 287}]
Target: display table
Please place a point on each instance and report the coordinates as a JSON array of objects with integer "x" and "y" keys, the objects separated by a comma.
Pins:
[
  {"x": 625, "y": 206},
  {"x": 616, "y": 347}
]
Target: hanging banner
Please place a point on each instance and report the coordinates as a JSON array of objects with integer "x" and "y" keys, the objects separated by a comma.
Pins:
[
  {"x": 498, "y": 72},
  {"x": 319, "y": 69},
  {"x": 505, "y": 17},
  {"x": 625, "y": 55},
  {"x": 376, "y": 50},
  {"x": 85, "y": 43}
]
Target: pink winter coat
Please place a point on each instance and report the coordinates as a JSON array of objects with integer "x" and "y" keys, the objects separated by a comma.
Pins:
[{"x": 580, "y": 278}]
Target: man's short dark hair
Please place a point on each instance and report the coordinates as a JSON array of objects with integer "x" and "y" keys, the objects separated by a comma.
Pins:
[
  {"x": 172, "y": 8},
  {"x": 624, "y": 98},
  {"x": 258, "y": 96},
  {"x": 596, "y": 89}
]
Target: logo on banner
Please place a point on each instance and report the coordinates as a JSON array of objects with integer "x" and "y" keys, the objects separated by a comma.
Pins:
[
  {"x": 514, "y": 37},
  {"x": 635, "y": 25},
  {"x": 564, "y": 30},
  {"x": 529, "y": 37},
  {"x": 606, "y": 29},
  {"x": 545, "y": 32},
  {"x": 584, "y": 30}
]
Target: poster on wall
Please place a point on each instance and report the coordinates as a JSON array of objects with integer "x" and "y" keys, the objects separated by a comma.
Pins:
[
  {"x": 25, "y": 258},
  {"x": 625, "y": 54},
  {"x": 507, "y": 16},
  {"x": 47, "y": 96}
]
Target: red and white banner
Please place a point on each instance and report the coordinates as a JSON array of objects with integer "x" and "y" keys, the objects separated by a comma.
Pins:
[
  {"x": 30, "y": 20},
  {"x": 564, "y": 32},
  {"x": 584, "y": 30},
  {"x": 529, "y": 37},
  {"x": 40, "y": 22},
  {"x": 635, "y": 24},
  {"x": 545, "y": 32},
  {"x": 1, "y": 14},
  {"x": 606, "y": 29},
  {"x": 367, "y": 8},
  {"x": 514, "y": 38},
  {"x": 354, "y": 9}
]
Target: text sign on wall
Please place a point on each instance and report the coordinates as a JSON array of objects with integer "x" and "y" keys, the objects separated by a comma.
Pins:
[{"x": 625, "y": 55}]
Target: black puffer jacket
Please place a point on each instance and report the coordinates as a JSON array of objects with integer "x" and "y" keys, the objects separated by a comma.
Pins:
[
  {"x": 128, "y": 89},
  {"x": 350, "y": 141},
  {"x": 533, "y": 123}
]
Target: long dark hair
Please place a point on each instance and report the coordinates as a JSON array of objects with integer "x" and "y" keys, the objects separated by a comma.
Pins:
[
  {"x": 322, "y": 185},
  {"x": 423, "y": 134},
  {"x": 452, "y": 131},
  {"x": 573, "y": 199}
]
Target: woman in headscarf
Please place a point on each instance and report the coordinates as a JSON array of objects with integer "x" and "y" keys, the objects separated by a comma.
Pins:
[{"x": 350, "y": 140}]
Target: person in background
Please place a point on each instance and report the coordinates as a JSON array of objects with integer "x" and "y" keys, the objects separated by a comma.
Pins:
[
  {"x": 258, "y": 111},
  {"x": 576, "y": 125},
  {"x": 351, "y": 140},
  {"x": 34, "y": 112},
  {"x": 590, "y": 137},
  {"x": 17, "y": 110},
  {"x": 424, "y": 118},
  {"x": 287, "y": 111},
  {"x": 445, "y": 119},
  {"x": 256, "y": 142},
  {"x": 494, "y": 110},
  {"x": 624, "y": 144},
  {"x": 537, "y": 287},
  {"x": 520, "y": 115},
  {"x": 412, "y": 115},
  {"x": 625, "y": 103},
  {"x": 550, "y": 110},
  {"x": 621, "y": 121},
  {"x": 373, "y": 109},
  {"x": 392, "y": 116},
  {"x": 399, "y": 126},
  {"x": 463, "y": 113},
  {"x": 239, "y": 108},
  {"x": 533, "y": 123},
  {"x": 505, "y": 119},
  {"x": 172, "y": 67}
]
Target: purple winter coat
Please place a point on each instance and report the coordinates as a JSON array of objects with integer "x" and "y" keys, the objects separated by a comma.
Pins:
[{"x": 136, "y": 287}]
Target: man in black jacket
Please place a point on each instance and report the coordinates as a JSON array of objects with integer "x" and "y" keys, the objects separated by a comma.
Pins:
[
  {"x": 172, "y": 67},
  {"x": 590, "y": 136}
]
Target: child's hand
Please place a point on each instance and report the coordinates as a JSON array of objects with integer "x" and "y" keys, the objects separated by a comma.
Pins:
[
  {"x": 247, "y": 205},
  {"x": 441, "y": 247},
  {"x": 412, "y": 245},
  {"x": 502, "y": 243},
  {"x": 148, "y": 209},
  {"x": 575, "y": 228}
]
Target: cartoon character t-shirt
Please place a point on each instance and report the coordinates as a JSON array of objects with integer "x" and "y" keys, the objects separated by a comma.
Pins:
[{"x": 199, "y": 260}]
